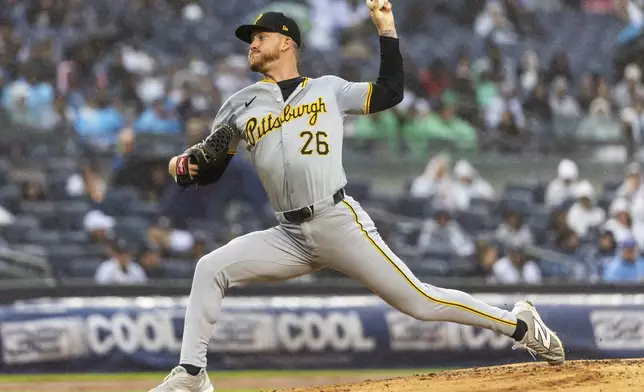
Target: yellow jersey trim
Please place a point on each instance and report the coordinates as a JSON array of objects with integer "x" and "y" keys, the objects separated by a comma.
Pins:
[
  {"x": 418, "y": 289},
  {"x": 367, "y": 103}
]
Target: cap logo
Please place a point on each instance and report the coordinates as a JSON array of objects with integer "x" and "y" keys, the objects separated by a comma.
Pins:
[
  {"x": 284, "y": 28},
  {"x": 258, "y": 18}
]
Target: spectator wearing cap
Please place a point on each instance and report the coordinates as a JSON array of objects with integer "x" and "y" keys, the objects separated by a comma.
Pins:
[
  {"x": 584, "y": 214},
  {"x": 469, "y": 185},
  {"x": 120, "y": 268},
  {"x": 602, "y": 253},
  {"x": 513, "y": 230},
  {"x": 160, "y": 119},
  {"x": 515, "y": 267},
  {"x": 621, "y": 223},
  {"x": 628, "y": 266},
  {"x": 487, "y": 254},
  {"x": 624, "y": 92},
  {"x": 564, "y": 186},
  {"x": 444, "y": 231},
  {"x": 149, "y": 258}
]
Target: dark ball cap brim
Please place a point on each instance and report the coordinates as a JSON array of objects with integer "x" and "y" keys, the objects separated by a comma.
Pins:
[{"x": 245, "y": 32}]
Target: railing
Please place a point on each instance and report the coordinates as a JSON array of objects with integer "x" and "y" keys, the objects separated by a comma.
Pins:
[{"x": 17, "y": 290}]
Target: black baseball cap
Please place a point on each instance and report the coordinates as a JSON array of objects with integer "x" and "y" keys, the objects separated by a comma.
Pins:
[{"x": 274, "y": 22}]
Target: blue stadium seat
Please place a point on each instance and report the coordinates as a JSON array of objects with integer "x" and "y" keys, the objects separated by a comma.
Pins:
[
  {"x": 17, "y": 231},
  {"x": 10, "y": 196},
  {"x": 413, "y": 207},
  {"x": 45, "y": 211},
  {"x": 179, "y": 269},
  {"x": 44, "y": 238},
  {"x": 359, "y": 189},
  {"x": 143, "y": 209},
  {"x": 83, "y": 268},
  {"x": 70, "y": 214}
]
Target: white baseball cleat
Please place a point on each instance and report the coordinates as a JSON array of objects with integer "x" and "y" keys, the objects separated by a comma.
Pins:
[
  {"x": 180, "y": 381},
  {"x": 539, "y": 339}
]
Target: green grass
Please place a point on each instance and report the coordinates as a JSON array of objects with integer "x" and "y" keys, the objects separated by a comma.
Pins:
[{"x": 214, "y": 375}]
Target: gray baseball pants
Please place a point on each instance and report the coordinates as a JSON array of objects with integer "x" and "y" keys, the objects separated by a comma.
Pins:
[{"x": 342, "y": 237}]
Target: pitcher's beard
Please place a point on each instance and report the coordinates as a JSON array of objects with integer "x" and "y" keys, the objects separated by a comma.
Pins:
[{"x": 265, "y": 59}]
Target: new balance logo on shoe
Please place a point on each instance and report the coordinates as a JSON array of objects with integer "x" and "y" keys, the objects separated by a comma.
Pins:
[{"x": 540, "y": 330}]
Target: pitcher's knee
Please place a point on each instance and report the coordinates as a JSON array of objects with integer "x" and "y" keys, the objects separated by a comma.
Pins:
[{"x": 209, "y": 269}]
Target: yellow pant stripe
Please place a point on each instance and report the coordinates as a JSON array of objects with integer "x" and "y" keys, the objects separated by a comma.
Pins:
[
  {"x": 418, "y": 289},
  {"x": 367, "y": 103}
]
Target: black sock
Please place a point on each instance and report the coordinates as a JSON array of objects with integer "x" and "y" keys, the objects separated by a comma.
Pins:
[
  {"x": 521, "y": 330},
  {"x": 192, "y": 370}
]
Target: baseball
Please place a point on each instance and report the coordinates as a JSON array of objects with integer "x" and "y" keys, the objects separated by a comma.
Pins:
[{"x": 375, "y": 4}]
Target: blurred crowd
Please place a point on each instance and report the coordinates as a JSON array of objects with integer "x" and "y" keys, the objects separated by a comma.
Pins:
[
  {"x": 564, "y": 229},
  {"x": 96, "y": 95}
]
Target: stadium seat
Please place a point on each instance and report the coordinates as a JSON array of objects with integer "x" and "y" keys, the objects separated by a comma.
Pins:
[
  {"x": 10, "y": 196},
  {"x": 83, "y": 268},
  {"x": 474, "y": 221},
  {"x": 427, "y": 267},
  {"x": 74, "y": 237},
  {"x": 44, "y": 238},
  {"x": 359, "y": 189},
  {"x": 60, "y": 255},
  {"x": 143, "y": 209},
  {"x": 70, "y": 214},
  {"x": 178, "y": 268},
  {"x": 45, "y": 211},
  {"x": 413, "y": 207},
  {"x": 18, "y": 230}
]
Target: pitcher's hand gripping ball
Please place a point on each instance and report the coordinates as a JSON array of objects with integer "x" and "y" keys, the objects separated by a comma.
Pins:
[
  {"x": 375, "y": 4},
  {"x": 207, "y": 155}
]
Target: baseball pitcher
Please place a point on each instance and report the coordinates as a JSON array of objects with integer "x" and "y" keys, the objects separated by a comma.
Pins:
[{"x": 293, "y": 129}]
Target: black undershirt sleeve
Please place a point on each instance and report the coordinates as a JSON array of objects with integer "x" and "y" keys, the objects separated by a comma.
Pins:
[{"x": 388, "y": 89}]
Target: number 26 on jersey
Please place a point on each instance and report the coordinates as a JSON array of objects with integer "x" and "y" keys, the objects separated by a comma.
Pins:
[{"x": 314, "y": 142}]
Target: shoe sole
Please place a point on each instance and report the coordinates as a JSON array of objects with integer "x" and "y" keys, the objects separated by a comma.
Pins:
[{"x": 536, "y": 315}]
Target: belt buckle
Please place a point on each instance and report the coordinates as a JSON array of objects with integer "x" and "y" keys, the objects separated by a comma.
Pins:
[{"x": 307, "y": 213}]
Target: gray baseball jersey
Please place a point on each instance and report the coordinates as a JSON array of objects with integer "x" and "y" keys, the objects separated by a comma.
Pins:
[{"x": 296, "y": 145}]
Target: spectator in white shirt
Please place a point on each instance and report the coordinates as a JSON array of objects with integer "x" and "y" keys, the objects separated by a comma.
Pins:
[
  {"x": 507, "y": 101},
  {"x": 621, "y": 223},
  {"x": 444, "y": 231},
  {"x": 563, "y": 187},
  {"x": 562, "y": 103},
  {"x": 584, "y": 215},
  {"x": 624, "y": 92},
  {"x": 513, "y": 230},
  {"x": 632, "y": 186},
  {"x": 435, "y": 182},
  {"x": 514, "y": 268},
  {"x": 120, "y": 268},
  {"x": 470, "y": 185},
  {"x": 632, "y": 189}
]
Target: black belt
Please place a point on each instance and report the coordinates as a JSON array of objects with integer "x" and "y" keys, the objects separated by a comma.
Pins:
[{"x": 306, "y": 213}]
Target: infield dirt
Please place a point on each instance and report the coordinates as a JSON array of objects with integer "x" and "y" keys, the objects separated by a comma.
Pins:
[{"x": 573, "y": 376}]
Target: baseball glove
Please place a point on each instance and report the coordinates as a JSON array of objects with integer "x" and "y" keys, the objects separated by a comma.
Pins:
[{"x": 209, "y": 155}]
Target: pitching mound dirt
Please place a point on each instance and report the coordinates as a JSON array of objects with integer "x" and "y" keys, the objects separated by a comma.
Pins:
[{"x": 573, "y": 376}]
